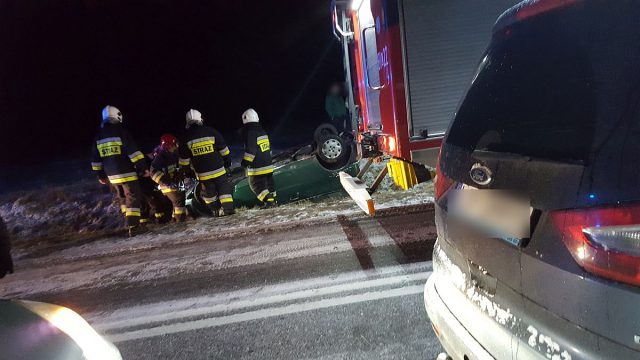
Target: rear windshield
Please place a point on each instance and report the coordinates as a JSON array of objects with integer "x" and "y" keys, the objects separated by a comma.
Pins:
[{"x": 534, "y": 93}]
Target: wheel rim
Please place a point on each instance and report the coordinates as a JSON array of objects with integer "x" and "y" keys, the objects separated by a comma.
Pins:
[{"x": 331, "y": 148}]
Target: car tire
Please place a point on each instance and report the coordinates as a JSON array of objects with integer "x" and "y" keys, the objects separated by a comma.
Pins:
[
  {"x": 323, "y": 130},
  {"x": 332, "y": 149}
]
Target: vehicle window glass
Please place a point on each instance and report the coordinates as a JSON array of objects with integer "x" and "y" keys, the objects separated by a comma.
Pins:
[{"x": 533, "y": 95}]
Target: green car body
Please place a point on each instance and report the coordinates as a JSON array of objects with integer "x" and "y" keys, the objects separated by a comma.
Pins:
[{"x": 296, "y": 180}]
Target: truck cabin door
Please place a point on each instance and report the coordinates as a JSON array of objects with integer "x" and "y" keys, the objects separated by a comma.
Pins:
[{"x": 369, "y": 51}]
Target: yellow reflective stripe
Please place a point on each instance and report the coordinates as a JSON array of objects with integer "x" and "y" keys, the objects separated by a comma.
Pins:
[
  {"x": 96, "y": 165},
  {"x": 144, "y": 221},
  {"x": 249, "y": 157},
  {"x": 225, "y": 151},
  {"x": 184, "y": 162},
  {"x": 123, "y": 180},
  {"x": 166, "y": 191},
  {"x": 136, "y": 156},
  {"x": 97, "y": 168},
  {"x": 209, "y": 200},
  {"x": 133, "y": 212},
  {"x": 206, "y": 139},
  {"x": 157, "y": 176},
  {"x": 263, "y": 195},
  {"x": 271, "y": 199},
  {"x": 110, "y": 140},
  {"x": 159, "y": 215},
  {"x": 179, "y": 211},
  {"x": 123, "y": 208},
  {"x": 260, "y": 171},
  {"x": 212, "y": 174},
  {"x": 226, "y": 199},
  {"x": 110, "y": 143}
]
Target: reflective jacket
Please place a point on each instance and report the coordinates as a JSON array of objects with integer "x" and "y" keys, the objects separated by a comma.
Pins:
[
  {"x": 115, "y": 156},
  {"x": 164, "y": 170},
  {"x": 257, "y": 150},
  {"x": 205, "y": 150}
]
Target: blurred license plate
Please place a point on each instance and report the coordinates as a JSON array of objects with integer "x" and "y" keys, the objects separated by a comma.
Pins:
[{"x": 495, "y": 213}]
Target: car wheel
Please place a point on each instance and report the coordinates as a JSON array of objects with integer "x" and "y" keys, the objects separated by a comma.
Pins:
[
  {"x": 332, "y": 149},
  {"x": 324, "y": 130}
]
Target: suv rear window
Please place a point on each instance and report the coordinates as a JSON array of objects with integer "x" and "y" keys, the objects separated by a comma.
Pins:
[{"x": 534, "y": 93}]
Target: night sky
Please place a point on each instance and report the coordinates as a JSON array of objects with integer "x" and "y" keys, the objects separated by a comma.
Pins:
[{"x": 61, "y": 61}]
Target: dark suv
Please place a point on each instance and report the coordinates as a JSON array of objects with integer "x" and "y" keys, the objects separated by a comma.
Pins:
[{"x": 552, "y": 116}]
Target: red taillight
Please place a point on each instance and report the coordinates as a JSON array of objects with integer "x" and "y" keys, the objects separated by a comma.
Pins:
[
  {"x": 603, "y": 241},
  {"x": 442, "y": 183}
]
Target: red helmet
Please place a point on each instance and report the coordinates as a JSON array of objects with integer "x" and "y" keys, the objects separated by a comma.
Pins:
[{"x": 167, "y": 141}]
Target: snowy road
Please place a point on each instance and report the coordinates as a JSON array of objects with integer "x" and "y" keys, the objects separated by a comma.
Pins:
[{"x": 337, "y": 286}]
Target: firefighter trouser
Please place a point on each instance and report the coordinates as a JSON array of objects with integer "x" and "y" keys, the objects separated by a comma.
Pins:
[
  {"x": 264, "y": 187},
  {"x": 177, "y": 199},
  {"x": 217, "y": 193},
  {"x": 118, "y": 194},
  {"x": 153, "y": 202},
  {"x": 132, "y": 193}
]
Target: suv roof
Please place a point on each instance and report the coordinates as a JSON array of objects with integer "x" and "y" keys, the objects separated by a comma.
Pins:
[{"x": 530, "y": 8}]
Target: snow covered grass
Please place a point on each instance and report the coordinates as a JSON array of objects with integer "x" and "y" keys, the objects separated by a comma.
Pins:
[{"x": 51, "y": 214}]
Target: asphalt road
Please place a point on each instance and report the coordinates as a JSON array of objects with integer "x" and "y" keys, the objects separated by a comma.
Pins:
[{"x": 348, "y": 288}]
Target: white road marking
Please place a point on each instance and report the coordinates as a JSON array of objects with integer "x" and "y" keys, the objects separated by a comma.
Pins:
[
  {"x": 260, "y": 291},
  {"x": 264, "y": 313},
  {"x": 162, "y": 314}
]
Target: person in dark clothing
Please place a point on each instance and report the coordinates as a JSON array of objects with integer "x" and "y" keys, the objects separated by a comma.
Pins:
[
  {"x": 153, "y": 203},
  {"x": 164, "y": 171},
  {"x": 257, "y": 159},
  {"x": 336, "y": 109},
  {"x": 204, "y": 149},
  {"x": 116, "y": 160},
  {"x": 6, "y": 263}
]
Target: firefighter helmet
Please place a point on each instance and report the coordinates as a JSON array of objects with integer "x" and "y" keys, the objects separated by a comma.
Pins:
[
  {"x": 193, "y": 117},
  {"x": 111, "y": 114},
  {"x": 168, "y": 141},
  {"x": 250, "y": 116}
]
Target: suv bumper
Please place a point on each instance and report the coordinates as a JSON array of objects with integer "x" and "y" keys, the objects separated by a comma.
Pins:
[
  {"x": 472, "y": 327},
  {"x": 455, "y": 339}
]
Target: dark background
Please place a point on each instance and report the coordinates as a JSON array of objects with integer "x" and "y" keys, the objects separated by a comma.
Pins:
[{"x": 62, "y": 61}]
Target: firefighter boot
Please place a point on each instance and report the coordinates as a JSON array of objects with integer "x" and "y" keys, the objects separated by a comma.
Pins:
[
  {"x": 215, "y": 209},
  {"x": 180, "y": 217},
  {"x": 269, "y": 202}
]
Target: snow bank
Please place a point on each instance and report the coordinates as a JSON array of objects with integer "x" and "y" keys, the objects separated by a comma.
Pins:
[{"x": 48, "y": 214}]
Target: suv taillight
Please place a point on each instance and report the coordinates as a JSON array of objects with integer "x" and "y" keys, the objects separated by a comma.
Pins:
[
  {"x": 604, "y": 241},
  {"x": 442, "y": 183}
]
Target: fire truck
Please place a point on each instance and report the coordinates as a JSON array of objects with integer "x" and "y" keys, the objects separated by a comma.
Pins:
[{"x": 407, "y": 65}]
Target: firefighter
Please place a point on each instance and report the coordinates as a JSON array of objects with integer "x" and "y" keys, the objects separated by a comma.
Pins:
[
  {"x": 204, "y": 149},
  {"x": 164, "y": 171},
  {"x": 257, "y": 159},
  {"x": 116, "y": 160}
]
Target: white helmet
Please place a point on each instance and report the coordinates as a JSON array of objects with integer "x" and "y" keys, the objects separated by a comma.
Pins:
[
  {"x": 111, "y": 114},
  {"x": 250, "y": 116},
  {"x": 193, "y": 117}
]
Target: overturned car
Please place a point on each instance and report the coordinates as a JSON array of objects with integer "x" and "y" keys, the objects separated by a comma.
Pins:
[{"x": 308, "y": 172}]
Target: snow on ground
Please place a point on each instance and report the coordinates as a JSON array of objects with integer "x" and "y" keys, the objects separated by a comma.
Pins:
[
  {"x": 81, "y": 219},
  {"x": 62, "y": 239},
  {"x": 50, "y": 214}
]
